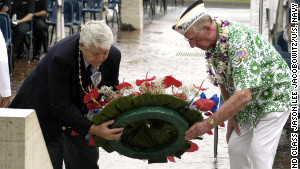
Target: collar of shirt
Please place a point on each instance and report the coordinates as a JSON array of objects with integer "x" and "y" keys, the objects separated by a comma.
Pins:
[{"x": 93, "y": 68}]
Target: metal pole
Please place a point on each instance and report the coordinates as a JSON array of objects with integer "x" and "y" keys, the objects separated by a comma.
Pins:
[
  {"x": 216, "y": 134},
  {"x": 60, "y": 26},
  {"x": 215, "y": 143},
  {"x": 261, "y": 6},
  {"x": 101, "y": 10},
  {"x": 268, "y": 22}
]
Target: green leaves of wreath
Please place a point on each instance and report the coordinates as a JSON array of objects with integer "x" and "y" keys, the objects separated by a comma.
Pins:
[{"x": 154, "y": 126}]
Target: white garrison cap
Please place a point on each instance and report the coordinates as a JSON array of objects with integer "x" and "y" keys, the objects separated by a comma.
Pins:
[{"x": 190, "y": 16}]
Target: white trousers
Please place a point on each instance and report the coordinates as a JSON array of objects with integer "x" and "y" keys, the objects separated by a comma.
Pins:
[{"x": 256, "y": 149}]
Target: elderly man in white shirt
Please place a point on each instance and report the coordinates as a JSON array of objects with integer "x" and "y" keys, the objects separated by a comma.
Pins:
[{"x": 5, "y": 90}]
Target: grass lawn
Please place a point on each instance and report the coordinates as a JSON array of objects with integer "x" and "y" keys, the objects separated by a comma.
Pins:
[{"x": 230, "y": 0}]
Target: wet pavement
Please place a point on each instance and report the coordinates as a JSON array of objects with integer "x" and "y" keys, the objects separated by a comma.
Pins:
[{"x": 159, "y": 50}]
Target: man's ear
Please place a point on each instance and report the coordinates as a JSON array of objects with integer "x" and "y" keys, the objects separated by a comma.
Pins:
[
  {"x": 81, "y": 46},
  {"x": 207, "y": 27}
]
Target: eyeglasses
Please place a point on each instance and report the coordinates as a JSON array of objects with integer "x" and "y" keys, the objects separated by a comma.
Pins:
[{"x": 194, "y": 39}]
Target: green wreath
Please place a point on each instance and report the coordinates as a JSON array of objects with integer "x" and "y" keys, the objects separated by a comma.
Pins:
[{"x": 154, "y": 126}]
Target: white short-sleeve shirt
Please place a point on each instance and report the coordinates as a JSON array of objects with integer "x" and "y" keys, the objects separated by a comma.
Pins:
[{"x": 5, "y": 90}]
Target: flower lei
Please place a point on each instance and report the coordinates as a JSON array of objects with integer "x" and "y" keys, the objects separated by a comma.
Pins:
[{"x": 217, "y": 78}]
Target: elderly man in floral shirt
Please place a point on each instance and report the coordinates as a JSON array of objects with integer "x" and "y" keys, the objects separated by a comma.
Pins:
[{"x": 254, "y": 81}]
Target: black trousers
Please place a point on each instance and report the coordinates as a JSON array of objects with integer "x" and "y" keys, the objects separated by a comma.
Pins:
[
  {"x": 75, "y": 152},
  {"x": 19, "y": 32},
  {"x": 40, "y": 29},
  {"x": 56, "y": 150}
]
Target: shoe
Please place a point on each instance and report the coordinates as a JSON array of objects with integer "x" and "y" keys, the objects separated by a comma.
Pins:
[
  {"x": 36, "y": 57},
  {"x": 20, "y": 54}
]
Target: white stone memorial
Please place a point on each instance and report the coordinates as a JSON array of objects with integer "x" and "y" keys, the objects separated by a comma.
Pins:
[
  {"x": 132, "y": 13},
  {"x": 22, "y": 144}
]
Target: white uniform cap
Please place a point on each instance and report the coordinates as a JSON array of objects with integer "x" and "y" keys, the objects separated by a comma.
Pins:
[{"x": 190, "y": 16}]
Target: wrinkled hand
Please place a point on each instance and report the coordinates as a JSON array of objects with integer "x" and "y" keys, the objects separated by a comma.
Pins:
[
  {"x": 232, "y": 125},
  {"x": 197, "y": 129},
  {"x": 4, "y": 101},
  {"x": 103, "y": 130}
]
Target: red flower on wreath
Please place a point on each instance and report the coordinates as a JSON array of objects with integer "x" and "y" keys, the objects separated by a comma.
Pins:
[
  {"x": 113, "y": 96},
  {"x": 124, "y": 85},
  {"x": 210, "y": 132},
  {"x": 200, "y": 87},
  {"x": 171, "y": 158},
  {"x": 170, "y": 81},
  {"x": 222, "y": 125},
  {"x": 135, "y": 94},
  {"x": 146, "y": 88},
  {"x": 94, "y": 106},
  {"x": 140, "y": 82},
  {"x": 93, "y": 94},
  {"x": 91, "y": 142},
  {"x": 204, "y": 104},
  {"x": 73, "y": 133},
  {"x": 194, "y": 147},
  {"x": 208, "y": 113},
  {"x": 181, "y": 96}
]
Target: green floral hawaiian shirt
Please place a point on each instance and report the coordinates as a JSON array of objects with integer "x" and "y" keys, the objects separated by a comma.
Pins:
[{"x": 252, "y": 62}]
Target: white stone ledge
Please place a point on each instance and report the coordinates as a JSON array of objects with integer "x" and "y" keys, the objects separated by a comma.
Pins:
[{"x": 22, "y": 144}]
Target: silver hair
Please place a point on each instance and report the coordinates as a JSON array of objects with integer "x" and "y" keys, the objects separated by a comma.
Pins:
[
  {"x": 96, "y": 33},
  {"x": 198, "y": 25}
]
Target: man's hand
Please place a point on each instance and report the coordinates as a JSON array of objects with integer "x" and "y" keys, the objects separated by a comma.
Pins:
[
  {"x": 102, "y": 130},
  {"x": 232, "y": 125},
  {"x": 4, "y": 101},
  {"x": 197, "y": 129}
]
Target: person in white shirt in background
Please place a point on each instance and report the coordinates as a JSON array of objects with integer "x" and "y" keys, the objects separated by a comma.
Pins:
[{"x": 5, "y": 90}]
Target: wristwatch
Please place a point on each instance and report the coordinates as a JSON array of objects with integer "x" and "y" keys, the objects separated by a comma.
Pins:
[{"x": 212, "y": 122}]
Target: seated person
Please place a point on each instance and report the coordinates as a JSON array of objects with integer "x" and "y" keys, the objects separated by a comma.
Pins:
[
  {"x": 40, "y": 27},
  {"x": 24, "y": 10},
  {"x": 4, "y": 6}
]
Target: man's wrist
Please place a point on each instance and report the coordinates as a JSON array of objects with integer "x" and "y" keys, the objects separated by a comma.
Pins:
[
  {"x": 211, "y": 121},
  {"x": 91, "y": 130}
]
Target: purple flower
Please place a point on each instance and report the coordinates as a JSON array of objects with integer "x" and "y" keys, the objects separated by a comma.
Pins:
[
  {"x": 216, "y": 83},
  {"x": 222, "y": 74},
  {"x": 221, "y": 25},
  {"x": 222, "y": 57},
  {"x": 215, "y": 18},
  {"x": 223, "y": 39},
  {"x": 209, "y": 71},
  {"x": 207, "y": 55},
  {"x": 226, "y": 23}
]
